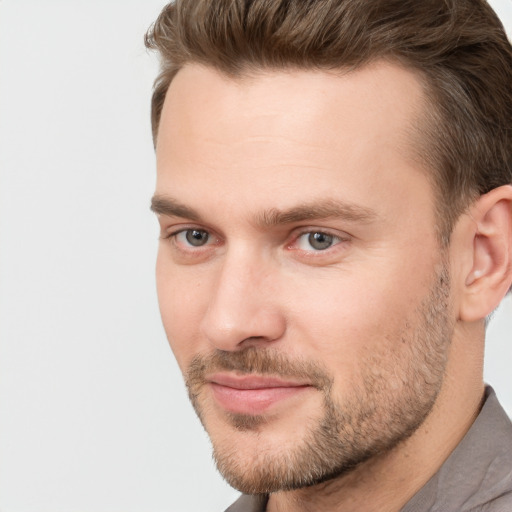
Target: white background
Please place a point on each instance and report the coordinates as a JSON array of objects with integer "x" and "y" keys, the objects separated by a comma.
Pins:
[{"x": 93, "y": 412}]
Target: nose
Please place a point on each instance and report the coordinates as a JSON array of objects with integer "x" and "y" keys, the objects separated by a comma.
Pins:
[{"x": 243, "y": 309}]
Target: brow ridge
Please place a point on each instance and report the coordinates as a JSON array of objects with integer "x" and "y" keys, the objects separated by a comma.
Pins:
[
  {"x": 165, "y": 205},
  {"x": 317, "y": 210}
]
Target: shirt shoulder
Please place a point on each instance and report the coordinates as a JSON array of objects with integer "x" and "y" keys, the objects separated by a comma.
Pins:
[
  {"x": 247, "y": 503},
  {"x": 477, "y": 476},
  {"x": 501, "y": 504}
]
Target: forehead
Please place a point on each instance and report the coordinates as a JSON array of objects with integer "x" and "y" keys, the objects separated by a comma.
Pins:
[
  {"x": 298, "y": 133},
  {"x": 380, "y": 90}
]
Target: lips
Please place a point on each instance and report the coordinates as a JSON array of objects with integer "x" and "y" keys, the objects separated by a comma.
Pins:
[{"x": 251, "y": 394}]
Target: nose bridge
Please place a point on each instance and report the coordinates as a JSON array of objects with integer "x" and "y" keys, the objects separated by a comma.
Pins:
[{"x": 241, "y": 305}]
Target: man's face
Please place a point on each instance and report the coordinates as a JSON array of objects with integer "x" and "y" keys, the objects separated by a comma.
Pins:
[{"x": 301, "y": 283}]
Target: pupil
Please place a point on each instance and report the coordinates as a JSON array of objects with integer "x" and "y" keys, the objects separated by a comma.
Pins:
[
  {"x": 320, "y": 240},
  {"x": 196, "y": 237}
]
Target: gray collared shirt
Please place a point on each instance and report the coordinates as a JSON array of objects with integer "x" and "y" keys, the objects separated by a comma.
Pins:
[{"x": 476, "y": 477}]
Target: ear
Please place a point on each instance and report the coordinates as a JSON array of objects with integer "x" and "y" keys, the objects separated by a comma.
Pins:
[{"x": 490, "y": 254}]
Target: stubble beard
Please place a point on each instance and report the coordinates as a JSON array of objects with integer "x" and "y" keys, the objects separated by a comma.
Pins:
[{"x": 372, "y": 420}]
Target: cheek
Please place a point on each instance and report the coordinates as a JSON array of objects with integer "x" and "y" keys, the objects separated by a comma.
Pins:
[
  {"x": 351, "y": 317},
  {"x": 183, "y": 301}
]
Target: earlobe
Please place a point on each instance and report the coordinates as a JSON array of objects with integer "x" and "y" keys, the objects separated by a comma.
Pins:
[{"x": 490, "y": 275}]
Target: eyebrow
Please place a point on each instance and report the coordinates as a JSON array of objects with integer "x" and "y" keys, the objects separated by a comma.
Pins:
[
  {"x": 328, "y": 209},
  {"x": 163, "y": 205}
]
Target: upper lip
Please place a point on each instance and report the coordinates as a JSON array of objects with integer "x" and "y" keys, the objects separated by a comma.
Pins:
[{"x": 252, "y": 381}]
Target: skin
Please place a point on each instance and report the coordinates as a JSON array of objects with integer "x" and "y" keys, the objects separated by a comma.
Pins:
[{"x": 332, "y": 151}]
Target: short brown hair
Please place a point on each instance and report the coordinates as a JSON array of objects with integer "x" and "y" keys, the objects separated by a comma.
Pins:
[{"x": 458, "y": 47}]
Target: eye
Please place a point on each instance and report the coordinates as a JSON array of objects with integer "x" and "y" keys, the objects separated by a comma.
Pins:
[
  {"x": 316, "y": 241},
  {"x": 192, "y": 237}
]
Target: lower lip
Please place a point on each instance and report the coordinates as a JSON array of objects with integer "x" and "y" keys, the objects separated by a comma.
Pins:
[{"x": 252, "y": 401}]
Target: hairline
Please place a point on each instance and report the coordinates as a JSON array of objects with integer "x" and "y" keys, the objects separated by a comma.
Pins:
[{"x": 421, "y": 147}]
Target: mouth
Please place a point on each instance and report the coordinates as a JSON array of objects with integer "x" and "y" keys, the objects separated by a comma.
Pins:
[{"x": 253, "y": 394}]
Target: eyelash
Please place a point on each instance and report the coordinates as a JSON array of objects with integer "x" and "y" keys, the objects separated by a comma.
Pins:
[
  {"x": 337, "y": 240},
  {"x": 173, "y": 234},
  {"x": 184, "y": 231}
]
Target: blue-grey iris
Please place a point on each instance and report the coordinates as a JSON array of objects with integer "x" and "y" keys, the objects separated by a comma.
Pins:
[
  {"x": 196, "y": 237},
  {"x": 320, "y": 241}
]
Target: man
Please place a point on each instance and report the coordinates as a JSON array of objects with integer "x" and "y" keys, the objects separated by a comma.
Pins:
[{"x": 335, "y": 202}]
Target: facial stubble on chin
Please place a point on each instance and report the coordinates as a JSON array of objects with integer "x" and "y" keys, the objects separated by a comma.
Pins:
[{"x": 372, "y": 419}]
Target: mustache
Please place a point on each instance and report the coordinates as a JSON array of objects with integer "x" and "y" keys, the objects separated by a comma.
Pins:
[{"x": 261, "y": 361}]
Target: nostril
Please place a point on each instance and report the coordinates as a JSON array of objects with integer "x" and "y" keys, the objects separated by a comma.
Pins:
[{"x": 255, "y": 328}]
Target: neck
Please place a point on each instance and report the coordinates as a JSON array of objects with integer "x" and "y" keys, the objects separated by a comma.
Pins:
[{"x": 387, "y": 482}]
